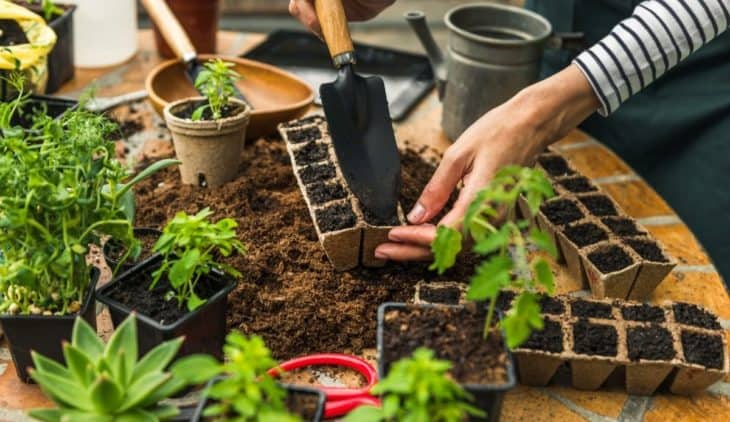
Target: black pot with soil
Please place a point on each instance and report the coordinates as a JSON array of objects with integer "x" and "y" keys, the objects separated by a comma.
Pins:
[
  {"x": 53, "y": 107},
  {"x": 160, "y": 319},
  {"x": 113, "y": 251},
  {"x": 483, "y": 367},
  {"x": 307, "y": 403},
  {"x": 45, "y": 334}
]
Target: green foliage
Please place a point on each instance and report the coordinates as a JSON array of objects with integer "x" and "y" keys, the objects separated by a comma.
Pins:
[
  {"x": 216, "y": 83},
  {"x": 107, "y": 382},
  {"x": 418, "y": 389},
  {"x": 246, "y": 392},
  {"x": 187, "y": 245},
  {"x": 49, "y": 9},
  {"x": 506, "y": 263},
  {"x": 62, "y": 189}
]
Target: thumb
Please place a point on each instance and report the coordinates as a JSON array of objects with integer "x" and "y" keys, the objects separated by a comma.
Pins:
[{"x": 439, "y": 188}]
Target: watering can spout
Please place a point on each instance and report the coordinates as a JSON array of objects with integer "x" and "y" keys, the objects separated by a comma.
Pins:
[{"x": 417, "y": 21}]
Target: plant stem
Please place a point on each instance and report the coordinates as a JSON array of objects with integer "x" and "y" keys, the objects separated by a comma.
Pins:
[{"x": 490, "y": 315}]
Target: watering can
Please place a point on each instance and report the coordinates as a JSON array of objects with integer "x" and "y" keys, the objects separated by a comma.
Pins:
[{"x": 494, "y": 51}]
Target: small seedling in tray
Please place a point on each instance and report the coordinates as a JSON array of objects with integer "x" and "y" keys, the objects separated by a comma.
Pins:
[
  {"x": 216, "y": 82},
  {"x": 506, "y": 263}
]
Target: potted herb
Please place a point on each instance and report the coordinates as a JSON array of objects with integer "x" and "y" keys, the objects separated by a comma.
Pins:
[
  {"x": 183, "y": 290},
  {"x": 418, "y": 388},
  {"x": 62, "y": 190},
  {"x": 242, "y": 388},
  {"x": 209, "y": 132},
  {"x": 107, "y": 382},
  {"x": 467, "y": 335}
]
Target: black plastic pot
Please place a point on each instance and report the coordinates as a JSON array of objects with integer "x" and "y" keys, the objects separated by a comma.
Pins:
[
  {"x": 55, "y": 107},
  {"x": 138, "y": 232},
  {"x": 44, "y": 334},
  {"x": 292, "y": 389},
  {"x": 204, "y": 329},
  {"x": 487, "y": 397}
]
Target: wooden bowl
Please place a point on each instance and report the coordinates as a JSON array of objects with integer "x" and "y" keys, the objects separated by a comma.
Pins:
[{"x": 276, "y": 96}]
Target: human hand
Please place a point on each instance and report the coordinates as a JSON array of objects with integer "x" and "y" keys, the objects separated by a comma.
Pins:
[
  {"x": 356, "y": 10},
  {"x": 513, "y": 133}
]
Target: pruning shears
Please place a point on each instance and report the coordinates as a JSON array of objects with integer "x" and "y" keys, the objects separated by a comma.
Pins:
[{"x": 339, "y": 400}]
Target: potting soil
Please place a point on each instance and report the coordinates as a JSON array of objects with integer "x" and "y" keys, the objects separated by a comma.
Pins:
[
  {"x": 703, "y": 349},
  {"x": 549, "y": 339},
  {"x": 643, "y": 312},
  {"x": 599, "y": 205},
  {"x": 647, "y": 250},
  {"x": 650, "y": 343},
  {"x": 579, "y": 184},
  {"x": 561, "y": 211},
  {"x": 621, "y": 226},
  {"x": 588, "y": 309},
  {"x": 585, "y": 234},
  {"x": 610, "y": 259},
  {"x": 689, "y": 314},
  {"x": 555, "y": 165},
  {"x": 594, "y": 339}
]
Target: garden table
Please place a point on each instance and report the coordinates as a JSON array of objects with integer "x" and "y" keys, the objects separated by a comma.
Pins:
[{"x": 694, "y": 280}]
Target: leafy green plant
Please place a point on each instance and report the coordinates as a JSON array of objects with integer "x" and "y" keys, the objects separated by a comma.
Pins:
[
  {"x": 49, "y": 9},
  {"x": 187, "y": 245},
  {"x": 418, "y": 389},
  {"x": 107, "y": 382},
  {"x": 216, "y": 83},
  {"x": 507, "y": 263}
]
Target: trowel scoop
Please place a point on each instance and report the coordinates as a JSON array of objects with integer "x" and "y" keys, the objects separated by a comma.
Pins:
[{"x": 359, "y": 121}]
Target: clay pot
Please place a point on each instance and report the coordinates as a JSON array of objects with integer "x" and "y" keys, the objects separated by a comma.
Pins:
[
  {"x": 210, "y": 150},
  {"x": 199, "y": 18}
]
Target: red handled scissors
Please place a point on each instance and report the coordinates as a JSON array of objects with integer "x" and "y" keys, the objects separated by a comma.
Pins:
[{"x": 340, "y": 400}]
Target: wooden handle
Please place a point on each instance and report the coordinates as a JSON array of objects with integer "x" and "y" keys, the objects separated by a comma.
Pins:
[
  {"x": 170, "y": 28},
  {"x": 333, "y": 21}
]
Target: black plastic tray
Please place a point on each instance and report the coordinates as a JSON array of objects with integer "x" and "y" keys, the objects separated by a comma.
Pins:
[{"x": 408, "y": 77}]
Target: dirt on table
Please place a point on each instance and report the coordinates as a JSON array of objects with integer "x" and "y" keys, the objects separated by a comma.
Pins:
[{"x": 289, "y": 292}]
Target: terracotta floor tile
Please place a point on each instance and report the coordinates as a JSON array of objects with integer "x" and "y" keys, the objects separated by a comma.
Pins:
[
  {"x": 705, "y": 407},
  {"x": 596, "y": 161},
  {"x": 529, "y": 404},
  {"x": 695, "y": 287},
  {"x": 637, "y": 199},
  {"x": 680, "y": 243},
  {"x": 604, "y": 402}
]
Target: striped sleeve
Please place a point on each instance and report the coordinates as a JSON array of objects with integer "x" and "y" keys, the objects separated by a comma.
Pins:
[{"x": 656, "y": 37}]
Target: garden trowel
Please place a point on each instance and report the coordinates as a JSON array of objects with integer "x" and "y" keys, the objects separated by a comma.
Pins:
[{"x": 359, "y": 121}]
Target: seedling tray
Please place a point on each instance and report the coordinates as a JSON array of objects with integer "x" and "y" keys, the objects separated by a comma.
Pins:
[
  {"x": 347, "y": 231},
  {"x": 681, "y": 343}
]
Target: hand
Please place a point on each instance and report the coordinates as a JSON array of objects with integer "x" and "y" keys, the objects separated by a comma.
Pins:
[
  {"x": 513, "y": 133},
  {"x": 356, "y": 10}
]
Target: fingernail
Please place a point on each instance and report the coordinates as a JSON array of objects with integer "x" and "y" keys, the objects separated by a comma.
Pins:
[
  {"x": 393, "y": 237},
  {"x": 380, "y": 255},
  {"x": 416, "y": 214}
]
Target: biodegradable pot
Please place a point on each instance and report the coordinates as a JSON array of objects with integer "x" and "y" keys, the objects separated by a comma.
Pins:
[
  {"x": 440, "y": 292},
  {"x": 112, "y": 262},
  {"x": 652, "y": 270},
  {"x": 199, "y": 19},
  {"x": 45, "y": 334},
  {"x": 536, "y": 367},
  {"x": 487, "y": 397},
  {"x": 616, "y": 284},
  {"x": 204, "y": 329},
  {"x": 291, "y": 389},
  {"x": 210, "y": 150}
]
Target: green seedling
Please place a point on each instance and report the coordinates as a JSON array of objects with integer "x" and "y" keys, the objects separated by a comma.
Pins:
[
  {"x": 49, "y": 9},
  {"x": 187, "y": 246},
  {"x": 216, "y": 82},
  {"x": 418, "y": 389},
  {"x": 107, "y": 382},
  {"x": 505, "y": 250}
]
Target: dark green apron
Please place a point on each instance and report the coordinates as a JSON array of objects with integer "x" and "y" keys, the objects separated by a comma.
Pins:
[{"x": 676, "y": 132}]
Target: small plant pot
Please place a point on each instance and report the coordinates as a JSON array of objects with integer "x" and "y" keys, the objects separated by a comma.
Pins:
[
  {"x": 575, "y": 236},
  {"x": 425, "y": 328},
  {"x": 210, "y": 150},
  {"x": 554, "y": 165},
  {"x": 296, "y": 395},
  {"x": 554, "y": 214},
  {"x": 45, "y": 334},
  {"x": 204, "y": 329},
  {"x": 440, "y": 293},
  {"x": 543, "y": 353},
  {"x": 597, "y": 348},
  {"x": 112, "y": 253},
  {"x": 652, "y": 351},
  {"x": 610, "y": 269},
  {"x": 655, "y": 265},
  {"x": 55, "y": 108}
]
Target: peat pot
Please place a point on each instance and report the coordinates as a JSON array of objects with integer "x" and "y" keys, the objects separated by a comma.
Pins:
[
  {"x": 45, "y": 334},
  {"x": 494, "y": 51},
  {"x": 210, "y": 150}
]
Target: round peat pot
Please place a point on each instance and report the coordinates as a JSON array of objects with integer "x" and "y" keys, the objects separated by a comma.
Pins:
[
  {"x": 487, "y": 397},
  {"x": 139, "y": 232},
  {"x": 45, "y": 334},
  {"x": 204, "y": 329},
  {"x": 292, "y": 390}
]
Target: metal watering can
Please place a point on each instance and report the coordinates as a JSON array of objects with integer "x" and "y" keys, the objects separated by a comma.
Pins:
[{"x": 494, "y": 51}]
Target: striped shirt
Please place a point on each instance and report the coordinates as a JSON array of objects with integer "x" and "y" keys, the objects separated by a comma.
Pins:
[{"x": 656, "y": 37}]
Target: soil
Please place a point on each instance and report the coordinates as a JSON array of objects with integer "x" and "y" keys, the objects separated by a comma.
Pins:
[
  {"x": 622, "y": 226},
  {"x": 447, "y": 295},
  {"x": 320, "y": 193},
  {"x": 647, "y": 249},
  {"x": 599, "y": 205},
  {"x": 578, "y": 184},
  {"x": 610, "y": 259},
  {"x": 135, "y": 294},
  {"x": 186, "y": 112},
  {"x": 555, "y": 165},
  {"x": 127, "y": 127},
  {"x": 643, "y": 312},
  {"x": 689, "y": 314},
  {"x": 561, "y": 211},
  {"x": 650, "y": 343},
  {"x": 302, "y": 404},
  {"x": 335, "y": 217},
  {"x": 147, "y": 241},
  {"x": 289, "y": 293},
  {"x": 551, "y": 305},
  {"x": 305, "y": 121},
  {"x": 317, "y": 173},
  {"x": 549, "y": 339},
  {"x": 11, "y": 33},
  {"x": 703, "y": 349},
  {"x": 504, "y": 300},
  {"x": 585, "y": 234},
  {"x": 594, "y": 339},
  {"x": 587, "y": 309},
  {"x": 310, "y": 153},
  {"x": 455, "y": 334},
  {"x": 296, "y": 136}
]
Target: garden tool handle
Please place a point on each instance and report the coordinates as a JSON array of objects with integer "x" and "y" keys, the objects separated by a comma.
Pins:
[
  {"x": 333, "y": 21},
  {"x": 170, "y": 29}
]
